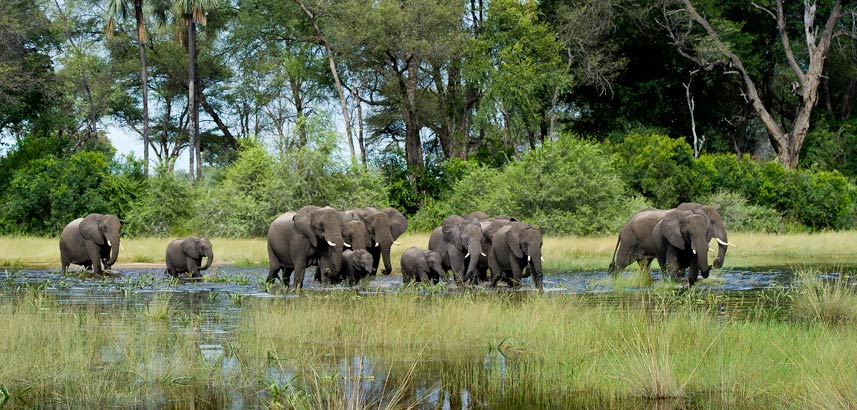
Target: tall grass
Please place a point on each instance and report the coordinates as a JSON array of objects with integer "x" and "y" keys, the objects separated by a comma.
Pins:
[{"x": 824, "y": 300}]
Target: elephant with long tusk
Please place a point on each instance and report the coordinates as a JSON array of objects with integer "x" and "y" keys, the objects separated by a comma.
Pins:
[{"x": 298, "y": 239}]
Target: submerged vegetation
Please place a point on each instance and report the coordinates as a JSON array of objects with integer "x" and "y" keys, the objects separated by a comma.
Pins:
[{"x": 413, "y": 349}]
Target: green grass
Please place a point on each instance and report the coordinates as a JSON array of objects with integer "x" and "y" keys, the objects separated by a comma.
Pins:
[
  {"x": 507, "y": 349},
  {"x": 560, "y": 253}
]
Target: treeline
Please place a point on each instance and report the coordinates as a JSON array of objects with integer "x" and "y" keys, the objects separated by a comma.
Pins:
[{"x": 443, "y": 105}]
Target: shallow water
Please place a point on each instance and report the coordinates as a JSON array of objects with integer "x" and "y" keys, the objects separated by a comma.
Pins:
[{"x": 217, "y": 303}]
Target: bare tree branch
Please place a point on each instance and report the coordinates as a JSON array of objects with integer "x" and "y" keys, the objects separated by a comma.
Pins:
[{"x": 781, "y": 26}]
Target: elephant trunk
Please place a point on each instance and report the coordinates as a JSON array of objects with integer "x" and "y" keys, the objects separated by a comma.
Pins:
[
  {"x": 474, "y": 248},
  {"x": 721, "y": 252},
  {"x": 385, "y": 243},
  {"x": 700, "y": 249},
  {"x": 114, "y": 249},
  {"x": 536, "y": 266},
  {"x": 336, "y": 246},
  {"x": 209, "y": 256}
]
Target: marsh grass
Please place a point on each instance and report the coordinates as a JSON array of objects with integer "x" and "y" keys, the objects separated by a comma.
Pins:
[
  {"x": 828, "y": 301},
  {"x": 567, "y": 253}
]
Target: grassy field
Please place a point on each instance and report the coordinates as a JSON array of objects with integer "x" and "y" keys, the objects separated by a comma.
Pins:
[
  {"x": 560, "y": 253},
  {"x": 338, "y": 350}
]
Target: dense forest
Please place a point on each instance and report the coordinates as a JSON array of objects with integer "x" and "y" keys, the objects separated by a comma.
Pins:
[{"x": 569, "y": 114}]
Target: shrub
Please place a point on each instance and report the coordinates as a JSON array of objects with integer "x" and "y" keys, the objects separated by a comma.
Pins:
[
  {"x": 566, "y": 187},
  {"x": 164, "y": 209},
  {"x": 659, "y": 167},
  {"x": 739, "y": 216}
]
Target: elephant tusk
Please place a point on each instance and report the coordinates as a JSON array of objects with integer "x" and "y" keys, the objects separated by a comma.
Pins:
[
  {"x": 468, "y": 254},
  {"x": 377, "y": 244},
  {"x": 724, "y": 243},
  {"x": 331, "y": 243},
  {"x": 710, "y": 250},
  {"x": 121, "y": 247},
  {"x": 529, "y": 258},
  {"x": 694, "y": 251},
  {"x": 109, "y": 244},
  {"x": 346, "y": 244},
  {"x": 543, "y": 258},
  {"x": 396, "y": 243},
  {"x": 483, "y": 253}
]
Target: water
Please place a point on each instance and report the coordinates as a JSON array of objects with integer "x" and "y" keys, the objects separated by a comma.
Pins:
[{"x": 217, "y": 303}]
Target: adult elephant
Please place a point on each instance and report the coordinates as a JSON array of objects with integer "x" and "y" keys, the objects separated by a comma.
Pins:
[
  {"x": 297, "y": 239},
  {"x": 459, "y": 243},
  {"x": 515, "y": 247},
  {"x": 90, "y": 241},
  {"x": 635, "y": 242},
  {"x": 185, "y": 255},
  {"x": 489, "y": 226},
  {"x": 681, "y": 238},
  {"x": 355, "y": 236},
  {"x": 384, "y": 227}
]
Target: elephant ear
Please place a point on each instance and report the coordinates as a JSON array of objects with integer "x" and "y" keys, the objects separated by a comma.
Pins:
[
  {"x": 451, "y": 228},
  {"x": 398, "y": 222},
  {"x": 190, "y": 247},
  {"x": 513, "y": 238},
  {"x": 89, "y": 228},
  {"x": 718, "y": 228},
  {"x": 671, "y": 228},
  {"x": 303, "y": 224}
]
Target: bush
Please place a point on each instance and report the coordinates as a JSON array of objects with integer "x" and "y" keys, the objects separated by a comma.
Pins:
[
  {"x": 566, "y": 187},
  {"x": 166, "y": 207},
  {"x": 660, "y": 168},
  {"x": 49, "y": 192},
  {"x": 739, "y": 216}
]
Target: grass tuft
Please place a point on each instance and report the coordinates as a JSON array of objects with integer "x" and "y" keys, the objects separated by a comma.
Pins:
[{"x": 827, "y": 301}]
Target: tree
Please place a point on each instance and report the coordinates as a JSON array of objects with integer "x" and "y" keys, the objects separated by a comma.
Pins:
[
  {"x": 193, "y": 12},
  {"x": 120, "y": 7},
  {"x": 709, "y": 49}
]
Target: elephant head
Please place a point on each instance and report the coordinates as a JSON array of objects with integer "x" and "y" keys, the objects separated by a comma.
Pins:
[
  {"x": 434, "y": 264},
  {"x": 196, "y": 248},
  {"x": 525, "y": 240},
  {"x": 688, "y": 230},
  {"x": 360, "y": 261},
  {"x": 322, "y": 224},
  {"x": 102, "y": 230},
  {"x": 465, "y": 238},
  {"x": 384, "y": 228},
  {"x": 354, "y": 232},
  {"x": 718, "y": 229}
]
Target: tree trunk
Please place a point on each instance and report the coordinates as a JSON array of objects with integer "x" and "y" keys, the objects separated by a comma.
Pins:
[
  {"x": 193, "y": 123},
  {"x": 144, "y": 80},
  {"x": 360, "y": 139},
  {"x": 413, "y": 145}
]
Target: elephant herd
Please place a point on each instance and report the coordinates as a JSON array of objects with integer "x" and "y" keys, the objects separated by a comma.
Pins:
[{"x": 349, "y": 246}]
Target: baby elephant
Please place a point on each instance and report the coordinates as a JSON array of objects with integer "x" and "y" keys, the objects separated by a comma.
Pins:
[
  {"x": 422, "y": 265},
  {"x": 356, "y": 265},
  {"x": 185, "y": 255}
]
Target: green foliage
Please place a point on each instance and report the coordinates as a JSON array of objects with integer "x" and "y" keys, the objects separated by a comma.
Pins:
[
  {"x": 739, "y": 216},
  {"x": 830, "y": 146},
  {"x": 658, "y": 167},
  {"x": 568, "y": 186},
  {"x": 164, "y": 208},
  {"x": 47, "y": 193}
]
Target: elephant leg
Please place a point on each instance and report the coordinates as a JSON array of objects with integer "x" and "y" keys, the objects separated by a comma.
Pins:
[
  {"x": 693, "y": 272},
  {"x": 672, "y": 263},
  {"x": 300, "y": 268},
  {"x": 94, "y": 256},
  {"x": 376, "y": 260},
  {"x": 274, "y": 268},
  {"x": 517, "y": 271},
  {"x": 496, "y": 272},
  {"x": 458, "y": 268},
  {"x": 423, "y": 276},
  {"x": 645, "y": 264},
  {"x": 193, "y": 267}
]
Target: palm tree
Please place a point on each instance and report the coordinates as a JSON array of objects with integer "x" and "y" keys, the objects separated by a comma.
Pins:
[
  {"x": 120, "y": 7},
  {"x": 193, "y": 12}
]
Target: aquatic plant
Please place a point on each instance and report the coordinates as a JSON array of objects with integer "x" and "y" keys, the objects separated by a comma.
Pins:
[{"x": 827, "y": 301}]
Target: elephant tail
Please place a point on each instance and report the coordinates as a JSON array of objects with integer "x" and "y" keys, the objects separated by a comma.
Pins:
[{"x": 613, "y": 260}]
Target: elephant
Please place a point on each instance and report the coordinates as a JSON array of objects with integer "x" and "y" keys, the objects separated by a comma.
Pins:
[
  {"x": 91, "y": 241},
  {"x": 185, "y": 255},
  {"x": 681, "y": 238},
  {"x": 489, "y": 226},
  {"x": 297, "y": 239},
  {"x": 356, "y": 265},
  {"x": 635, "y": 242},
  {"x": 384, "y": 227},
  {"x": 422, "y": 266},
  {"x": 355, "y": 236},
  {"x": 514, "y": 247},
  {"x": 458, "y": 241}
]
